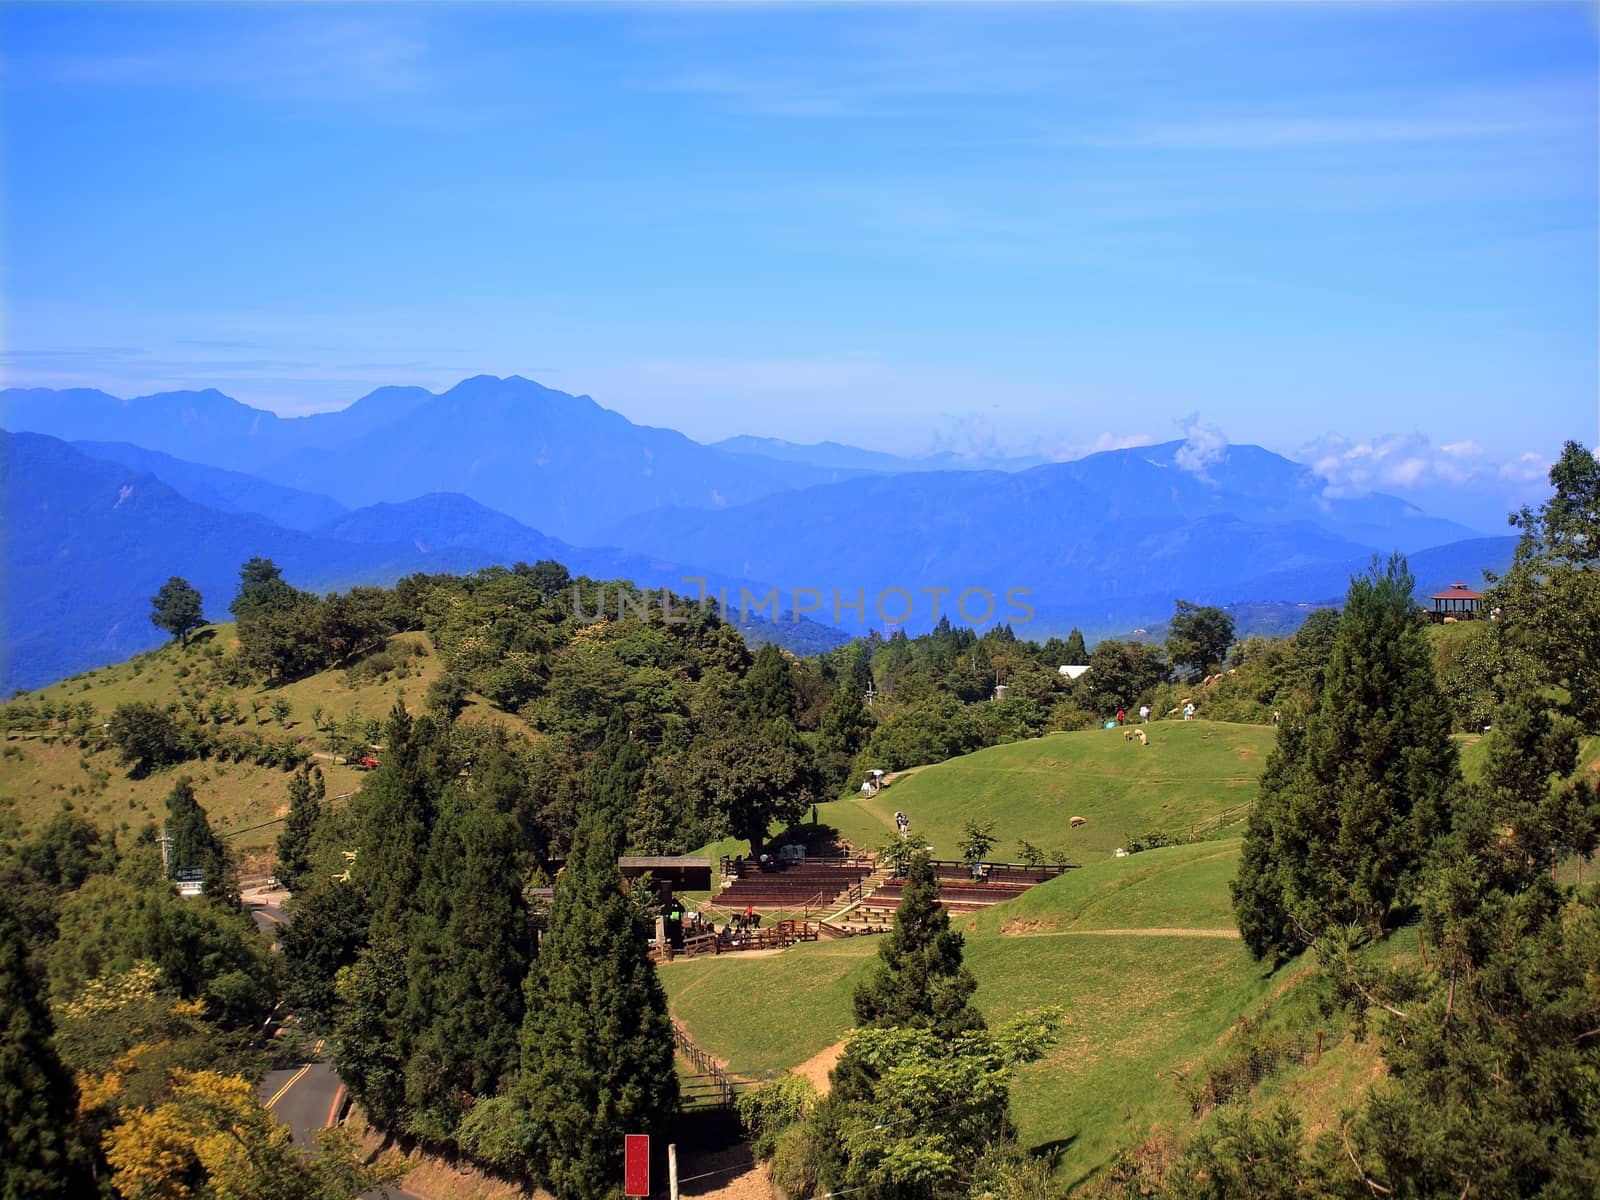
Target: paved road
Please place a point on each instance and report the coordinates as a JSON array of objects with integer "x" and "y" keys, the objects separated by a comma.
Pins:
[{"x": 307, "y": 1097}]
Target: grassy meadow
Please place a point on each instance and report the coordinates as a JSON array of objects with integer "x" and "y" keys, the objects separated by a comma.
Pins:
[
  {"x": 1140, "y": 953},
  {"x": 41, "y": 775},
  {"x": 1191, "y": 770}
]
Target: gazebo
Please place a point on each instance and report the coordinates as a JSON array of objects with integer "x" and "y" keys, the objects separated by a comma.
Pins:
[{"x": 1457, "y": 602}]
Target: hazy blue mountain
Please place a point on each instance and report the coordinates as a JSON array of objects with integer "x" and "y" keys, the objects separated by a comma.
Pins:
[
  {"x": 88, "y": 541},
  {"x": 559, "y": 462},
  {"x": 226, "y": 491},
  {"x": 1112, "y": 538},
  {"x": 1435, "y": 569}
]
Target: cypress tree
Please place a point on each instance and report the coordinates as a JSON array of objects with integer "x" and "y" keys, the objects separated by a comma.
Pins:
[
  {"x": 470, "y": 952},
  {"x": 395, "y": 818},
  {"x": 921, "y": 981},
  {"x": 769, "y": 687},
  {"x": 597, "y": 1050},
  {"x": 1349, "y": 809},
  {"x": 37, "y": 1095},
  {"x": 195, "y": 844},
  {"x": 294, "y": 843}
]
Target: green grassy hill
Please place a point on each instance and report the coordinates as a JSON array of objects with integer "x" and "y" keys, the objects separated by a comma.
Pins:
[
  {"x": 42, "y": 773},
  {"x": 1139, "y": 951},
  {"x": 1191, "y": 770}
]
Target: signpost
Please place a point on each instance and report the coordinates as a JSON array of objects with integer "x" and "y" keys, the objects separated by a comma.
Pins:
[{"x": 636, "y": 1167}]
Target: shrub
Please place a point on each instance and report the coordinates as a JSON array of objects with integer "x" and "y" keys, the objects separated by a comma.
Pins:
[{"x": 766, "y": 1111}]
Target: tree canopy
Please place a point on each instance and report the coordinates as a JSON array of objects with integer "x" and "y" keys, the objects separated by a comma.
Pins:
[{"x": 176, "y": 607}]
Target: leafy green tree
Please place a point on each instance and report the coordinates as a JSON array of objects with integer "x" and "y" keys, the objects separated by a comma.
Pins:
[
  {"x": 921, "y": 981},
  {"x": 176, "y": 607},
  {"x": 327, "y": 934},
  {"x": 597, "y": 1050},
  {"x": 977, "y": 839},
  {"x": 1123, "y": 673},
  {"x": 369, "y": 996},
  {"x": 1199, "y": 637},
  {"x": 146, "y": 737},
  {"x": 306, "y": 790},
  {"x": 262, "y": 590},
  {"x": 933, "y": 1107},
  {"x": 67, "y": 851},
  {"x": 1347, "y": 821},
  {"x": 1549, "y": 600},
  {"x": 752, "y": 778},
  {"x": 38, "y": 1099}
]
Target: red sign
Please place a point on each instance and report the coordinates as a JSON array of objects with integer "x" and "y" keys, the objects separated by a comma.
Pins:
[{"x": 636, "y": 1172}]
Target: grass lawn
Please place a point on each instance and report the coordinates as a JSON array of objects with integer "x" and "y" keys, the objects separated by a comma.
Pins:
[
  {"x": 1139, "y": 1006},
  {"x": 1030, "y": 790},
  {"x": 40, "y": 776}
]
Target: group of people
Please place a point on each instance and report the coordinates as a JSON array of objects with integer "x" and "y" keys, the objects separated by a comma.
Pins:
[{"x": 902, "y": 823}]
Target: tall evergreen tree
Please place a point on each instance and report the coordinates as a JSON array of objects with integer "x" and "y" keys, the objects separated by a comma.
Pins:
[
  {"x": 597, "y": 1051},
  {"x": 195, "y": 844},
  {"x": 470, "y": 951},
  {"x": 37, "y": 1095},
  {"x": 769, "y": 687},
  {"x": 921, "y": 981},
  {"x": 395, "y": 817},
  {"x": 1348, "y": 819},
  {"x": 306, "y": 790},
  {"x": 1550, "y": 598},
  {"x": 618, "y": 769}
]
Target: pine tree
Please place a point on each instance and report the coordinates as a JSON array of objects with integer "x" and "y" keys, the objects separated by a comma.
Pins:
[
  {"x": 597, "y": 1049},
  {"x": 471, "y": 947},
  {"x": 1348, "y": 811},
  {"x": 769, "y": 687},
  {"x": 921, "y": 981},
  {"x": 37, "y": 1095},
  {"x": 294, "y": 843},
  {"x": 195, "y": 844},
  {"x": 395, "y": 817}
]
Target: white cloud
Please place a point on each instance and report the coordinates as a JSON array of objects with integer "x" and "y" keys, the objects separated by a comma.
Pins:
[
  {"x": 1352, "y": 468},
  {"x": 1203, "y": 446}
]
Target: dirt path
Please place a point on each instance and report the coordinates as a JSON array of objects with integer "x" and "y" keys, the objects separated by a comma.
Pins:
[{"x": 816, "y": 1068}]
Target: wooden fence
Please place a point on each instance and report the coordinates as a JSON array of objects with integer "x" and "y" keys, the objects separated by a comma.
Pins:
[{"x": 715, "y": 1088}]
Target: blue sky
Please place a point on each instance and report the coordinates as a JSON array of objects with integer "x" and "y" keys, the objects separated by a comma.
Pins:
[{"x": 1366, "y": 234}]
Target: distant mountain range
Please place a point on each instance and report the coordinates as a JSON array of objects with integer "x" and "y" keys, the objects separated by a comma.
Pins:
[
  {"x": 88, "y": 541},
  {"x": 557, "y": 462},
  {"x": 496, "y": 470}
]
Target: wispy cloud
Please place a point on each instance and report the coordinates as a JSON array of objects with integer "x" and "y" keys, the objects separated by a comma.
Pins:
[
  {"x": 1357, "y": 467},
  {"x": 1204, "y": 445}
]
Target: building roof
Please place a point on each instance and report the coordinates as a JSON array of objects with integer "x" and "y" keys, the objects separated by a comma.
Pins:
[{"x": 1458, "y": 591}]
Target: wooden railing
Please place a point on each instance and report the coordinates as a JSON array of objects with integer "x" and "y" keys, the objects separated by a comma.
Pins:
[
  {"x": 1226, "y": 817},
  {"x": 720, "y": 1092}
]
